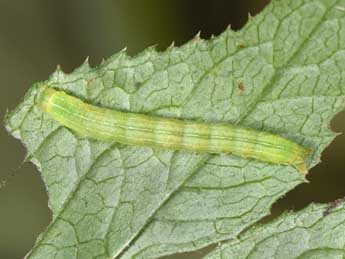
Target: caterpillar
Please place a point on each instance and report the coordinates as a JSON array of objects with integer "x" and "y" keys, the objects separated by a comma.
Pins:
[{"x": 166, "y": 133}]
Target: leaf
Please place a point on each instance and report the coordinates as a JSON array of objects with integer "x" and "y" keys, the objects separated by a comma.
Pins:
[
  {"x": 281, "y": 73},
  {"x": 310, "y": 233}
]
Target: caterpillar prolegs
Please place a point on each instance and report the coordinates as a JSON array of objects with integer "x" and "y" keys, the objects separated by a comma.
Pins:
[{"x": 157, "y": 132}]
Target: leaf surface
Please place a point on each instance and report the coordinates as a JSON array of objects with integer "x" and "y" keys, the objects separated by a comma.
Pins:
[
  {"x": 282, "y": 73},
  {"x": 315, "y": 232}
]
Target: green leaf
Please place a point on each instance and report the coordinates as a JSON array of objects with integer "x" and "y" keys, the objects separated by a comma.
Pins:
[
  {"x": 281, "y": 73},
  {"x": 311, "y": 233}
]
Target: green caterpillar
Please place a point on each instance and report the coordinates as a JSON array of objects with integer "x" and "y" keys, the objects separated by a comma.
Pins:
[{"x": 158, "y": 132}]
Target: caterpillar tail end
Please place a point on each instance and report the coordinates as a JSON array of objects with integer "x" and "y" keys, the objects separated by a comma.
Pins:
[
  {"x": 302, "y": 168},
  {"x": 300, "y": 163}
]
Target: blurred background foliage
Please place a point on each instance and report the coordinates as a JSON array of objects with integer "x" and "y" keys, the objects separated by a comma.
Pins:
[{"x": 37, "y": 35}]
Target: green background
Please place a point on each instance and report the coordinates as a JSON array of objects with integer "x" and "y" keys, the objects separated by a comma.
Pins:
[{"x": 37, "y": 35}]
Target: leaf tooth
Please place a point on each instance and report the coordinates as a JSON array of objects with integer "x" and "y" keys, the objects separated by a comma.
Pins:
[
  {"x": 250, "y": 17},
  {"x": 57, "y": 74},
  {"x": 102, "y": 62},
  {"x": 122, "y": 54},
  {"x": 86, "y": 62},
  {"x": 151, "y": 50},
  {"x": 152, "y": 47},
  {"x": 58, "y": 68},
  {"x": 58, "y": 71},
  {"x": 85, "y": 66},
  {"x": 172, "y": 45},
  {"x": 197, "y": 36}
]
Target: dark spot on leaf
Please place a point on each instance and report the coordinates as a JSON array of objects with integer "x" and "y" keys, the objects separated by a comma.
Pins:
[
  {"x": 241, "y": 45},
  {"x": 89, "y": 81},
  {"x": 333, "y": 205},
  {"x": 241, "y": 86}
]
